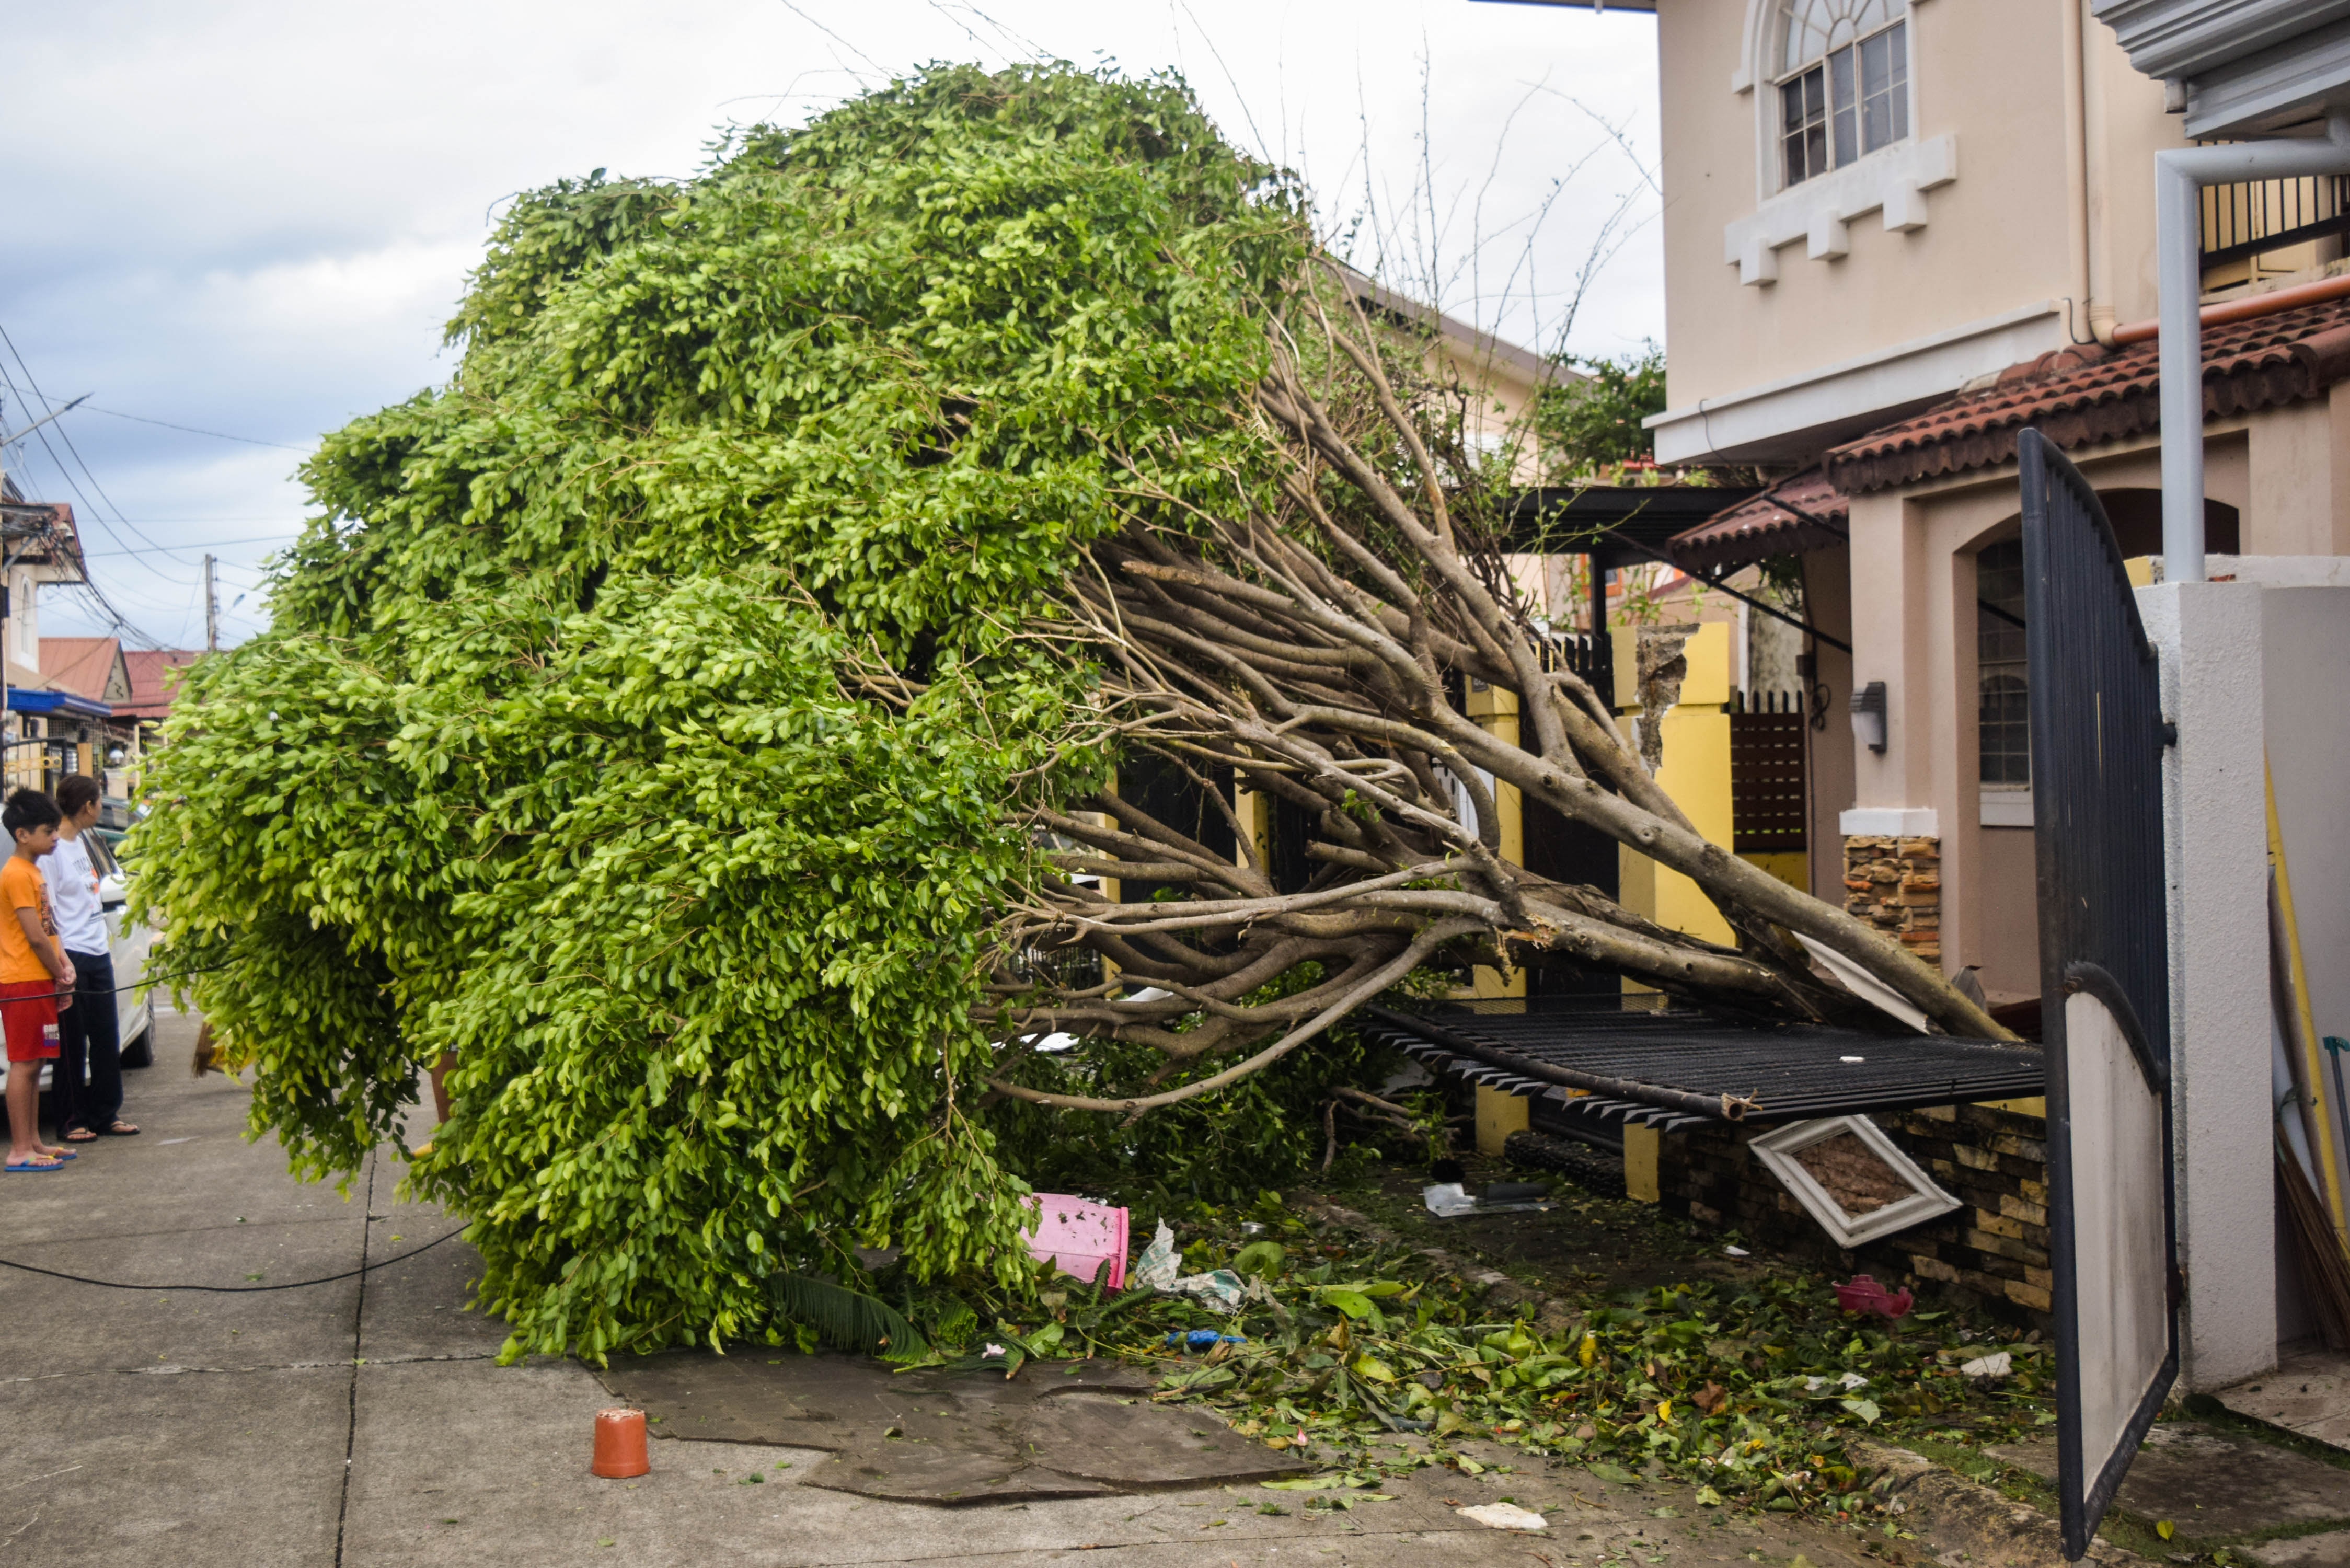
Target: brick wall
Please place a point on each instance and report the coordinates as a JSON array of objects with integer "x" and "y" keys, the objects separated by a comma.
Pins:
[
  {"x": 1895, "y": 885},
  {"x": 1994, "y": 1250}
]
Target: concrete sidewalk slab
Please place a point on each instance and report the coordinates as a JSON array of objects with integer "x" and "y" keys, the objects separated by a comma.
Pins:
[
  {"x": 2309, "y": 1393},
  {"x": 2212, "y": 1485},
  {"x": 456, "y": 1463},
  {"x": 958, "y": 1440},
  {"x": 2330, "y": 1550},
  {"x": 244, "y": 1468},
  {"x": 365, "y": 1423}
]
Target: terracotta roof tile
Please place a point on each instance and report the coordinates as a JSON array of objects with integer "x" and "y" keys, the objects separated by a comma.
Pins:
[
  {"x": 81, "y": 665},
  {"x": 152, "y": 689},
  {"x": 1800, "y": 513},
  {"x": 2081, "y": 396}
]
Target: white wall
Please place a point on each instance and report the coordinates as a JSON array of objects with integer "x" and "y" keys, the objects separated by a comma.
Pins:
[{"x": 2210, "y": 638}]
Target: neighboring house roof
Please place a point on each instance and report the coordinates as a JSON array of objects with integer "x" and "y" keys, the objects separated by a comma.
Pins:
[
  {"x": 39, "y": 533},
  {"x": 1378, "y": 299},
  {"x": 152, "y": 688},
  {"x": 1803, "y": 512},
  {"x": 88, "y": 667},
  {"x": 2077, "y": 397}
]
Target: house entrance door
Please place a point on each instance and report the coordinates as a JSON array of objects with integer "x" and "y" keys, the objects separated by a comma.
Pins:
[{"x": 2097, "y": 800}]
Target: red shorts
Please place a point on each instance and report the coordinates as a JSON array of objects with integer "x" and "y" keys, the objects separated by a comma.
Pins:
[{"x": 28, "y": 1015}]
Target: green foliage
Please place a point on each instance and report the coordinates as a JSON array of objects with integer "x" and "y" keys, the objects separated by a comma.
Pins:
[
  {"x": 846, "y": 1319},
  {"x": 1754, "y": 1388},
  {"x": 1587, "y": 426},
  {"x": 1264, "y": 1131},
  {"x": 575, "y": 751}
]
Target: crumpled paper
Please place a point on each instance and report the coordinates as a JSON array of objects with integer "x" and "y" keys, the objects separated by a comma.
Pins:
[{"x": 1218, "y": 1289}]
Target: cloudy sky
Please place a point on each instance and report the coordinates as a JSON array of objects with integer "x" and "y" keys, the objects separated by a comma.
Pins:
[{"x": 251, "y": 217}]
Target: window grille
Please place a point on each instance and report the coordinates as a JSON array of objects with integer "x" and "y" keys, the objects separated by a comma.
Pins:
[
  {"x": 2005, "y": 688},
  {"x": 1768, "y": 734}
]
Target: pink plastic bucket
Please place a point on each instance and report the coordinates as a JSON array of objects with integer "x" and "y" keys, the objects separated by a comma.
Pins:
[{"x": 1080, "y": 1237}]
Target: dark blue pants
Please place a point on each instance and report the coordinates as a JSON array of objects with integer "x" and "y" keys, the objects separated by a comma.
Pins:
[{"x": 88, "y": 1082}]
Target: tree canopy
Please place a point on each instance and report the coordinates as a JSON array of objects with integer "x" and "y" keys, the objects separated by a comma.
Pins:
[{"x": 645, "y": 714}]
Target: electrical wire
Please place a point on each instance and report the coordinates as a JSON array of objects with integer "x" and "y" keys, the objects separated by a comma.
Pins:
[
  {"x": 67, "y": 437},
  {"x": 192, "y": 544},
  {"x": 236, "y": 1290},
  {"x": 191, "y": 430},
  {"x": 120, "y": 622}
]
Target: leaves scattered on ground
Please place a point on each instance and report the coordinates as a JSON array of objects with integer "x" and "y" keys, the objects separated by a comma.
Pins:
[{"x": 1753, "y": 1391}]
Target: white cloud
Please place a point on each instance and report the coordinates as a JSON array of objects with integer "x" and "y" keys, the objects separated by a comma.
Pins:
[{"x": 254, "y": 217}]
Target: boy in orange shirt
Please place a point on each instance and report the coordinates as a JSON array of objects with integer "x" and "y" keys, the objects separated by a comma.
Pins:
[{"x": 35, "y": 977}]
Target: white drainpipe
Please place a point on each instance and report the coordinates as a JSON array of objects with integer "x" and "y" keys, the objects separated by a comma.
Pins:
[{"x": 2179, "y": 176}]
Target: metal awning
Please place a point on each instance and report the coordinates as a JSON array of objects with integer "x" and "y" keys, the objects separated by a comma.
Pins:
[
  {"x": 1675, "y": 1068},
  {"x": 32, "y": 700}
]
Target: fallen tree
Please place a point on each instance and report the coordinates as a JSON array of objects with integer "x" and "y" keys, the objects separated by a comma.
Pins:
[
  {"x": 1315, "y": 651},
  {"x": 697, "y": 719}
]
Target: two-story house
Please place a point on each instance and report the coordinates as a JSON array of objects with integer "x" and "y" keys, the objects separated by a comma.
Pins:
[
  {"x": 1896, "y": 231},
  {"x": 1899, "y": 232}
]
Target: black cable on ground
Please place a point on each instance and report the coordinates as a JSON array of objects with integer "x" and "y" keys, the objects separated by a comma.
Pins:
[{"x": 238, "y": 1290}]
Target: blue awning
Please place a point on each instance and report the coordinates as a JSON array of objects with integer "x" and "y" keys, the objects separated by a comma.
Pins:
[{"x": 27, "y": 700}]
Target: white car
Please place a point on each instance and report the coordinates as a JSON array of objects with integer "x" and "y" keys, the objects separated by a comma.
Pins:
[{"x": 127, "y": 943}]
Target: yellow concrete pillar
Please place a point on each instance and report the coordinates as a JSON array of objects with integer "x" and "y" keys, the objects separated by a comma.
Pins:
[
  {"x": 1640, "y": 1145},
  {"x": 1255, "y": 811},
  {"x": 1694, "y": 770},
  {"x": 1499, "y": 1115},
  {"x": 1495, "y": 711}
]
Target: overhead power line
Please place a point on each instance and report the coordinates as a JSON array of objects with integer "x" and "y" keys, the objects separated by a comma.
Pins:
[
  {"x": 120, "y": 622},
  {"x": 193, "y": 430},
  {"x": 192, "y": 544}
]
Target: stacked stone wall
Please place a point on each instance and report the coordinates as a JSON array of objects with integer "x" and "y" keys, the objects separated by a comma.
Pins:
[
  {"x": 1992, "y": 1250},
  {"x": 1895, "y": 885}
]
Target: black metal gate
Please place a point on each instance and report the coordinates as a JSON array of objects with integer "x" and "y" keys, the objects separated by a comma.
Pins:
[{"x": 2096, "y": 800}]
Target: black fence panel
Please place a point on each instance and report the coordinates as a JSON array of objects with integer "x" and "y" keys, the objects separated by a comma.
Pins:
[{"x": 2097, "y": 735}]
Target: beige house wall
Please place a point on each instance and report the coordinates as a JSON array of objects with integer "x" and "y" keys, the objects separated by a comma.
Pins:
[
  {"x": 1913, "y": 570},
  {"x": 2046, "y": 223}
]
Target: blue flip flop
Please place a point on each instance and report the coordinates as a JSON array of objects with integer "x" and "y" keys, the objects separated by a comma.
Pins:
[{"x": 26, "y": 1168}]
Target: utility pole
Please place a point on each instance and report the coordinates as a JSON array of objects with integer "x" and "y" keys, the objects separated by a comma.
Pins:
[{"x": 211, "y": 610}]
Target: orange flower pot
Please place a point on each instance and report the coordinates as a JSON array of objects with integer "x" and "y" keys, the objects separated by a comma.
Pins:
[{"x": 621, "y": 1445}]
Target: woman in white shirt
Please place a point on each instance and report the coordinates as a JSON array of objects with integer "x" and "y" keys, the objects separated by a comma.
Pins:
[{"x": 90, "y": 1067}]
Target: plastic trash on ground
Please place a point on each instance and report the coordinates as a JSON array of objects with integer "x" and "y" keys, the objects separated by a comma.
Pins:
[
  {"x": 1080, "y": 1237},
  {"x": 1450, "y": 1199},
  {"x": 1219, "y": 1290},
  {"x": 1998, "y": 1365},
  {"x": 1505, "y": 1516},
  {"x": 1447, "y": 1199},
  {"x": 1865, "y": 1294},
  {"x": 1204, "y": 1339}
]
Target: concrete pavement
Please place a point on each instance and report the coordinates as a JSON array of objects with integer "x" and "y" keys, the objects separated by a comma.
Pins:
[{"x": 365, "y": 1423}]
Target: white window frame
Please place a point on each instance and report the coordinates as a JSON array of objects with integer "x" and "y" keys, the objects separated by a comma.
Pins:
[
  {"x": 1770, "y": 72},
  {"x": 1927, "y": 1200}
]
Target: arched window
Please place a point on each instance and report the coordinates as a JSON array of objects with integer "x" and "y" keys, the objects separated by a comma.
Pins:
[{"x": 1842, "y": 71}]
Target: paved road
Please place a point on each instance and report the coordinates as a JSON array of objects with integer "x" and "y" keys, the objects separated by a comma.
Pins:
[{"x": 365, "y": 1422}]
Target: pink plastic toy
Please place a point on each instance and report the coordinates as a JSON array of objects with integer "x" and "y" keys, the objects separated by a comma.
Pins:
[{"x": 1079, "y": 1236}]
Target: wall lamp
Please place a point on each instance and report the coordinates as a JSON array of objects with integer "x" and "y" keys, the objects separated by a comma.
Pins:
[{"x": 1868, "y": 715}]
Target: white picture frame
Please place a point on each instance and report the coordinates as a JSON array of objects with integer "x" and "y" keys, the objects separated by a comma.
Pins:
[{"x": 1777, "y": 1150}]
